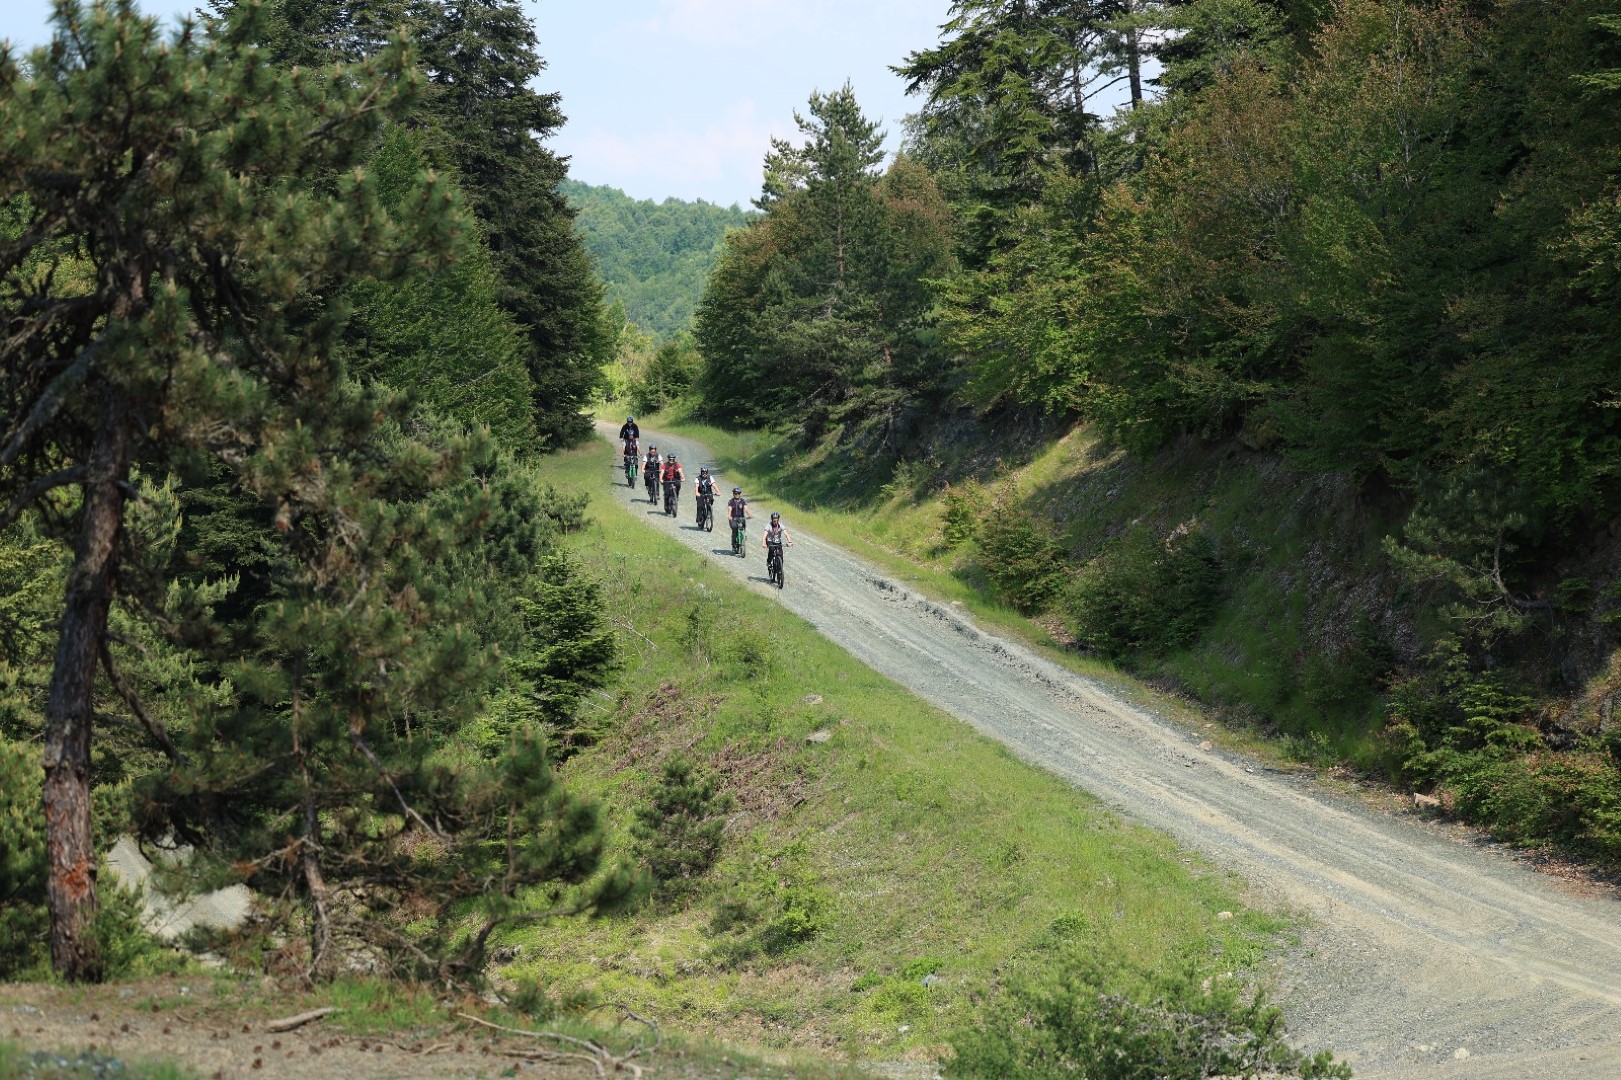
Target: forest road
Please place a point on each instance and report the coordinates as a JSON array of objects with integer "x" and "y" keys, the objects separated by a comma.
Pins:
[{"x": 1427, "y": 955}]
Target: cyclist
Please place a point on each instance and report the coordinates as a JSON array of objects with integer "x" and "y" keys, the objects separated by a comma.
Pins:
[
  {"x": 775, "y": 536},
  {"x": 673, "y": 475},
  {"x": 628, "y": 431},
  {"x": 737, "y": 514},
  {"x": 650, "y": 473},
  {"x": 633, "y": 453},
  {"x": 774, "y": 539},
  {"x": 706, "y": 494}
]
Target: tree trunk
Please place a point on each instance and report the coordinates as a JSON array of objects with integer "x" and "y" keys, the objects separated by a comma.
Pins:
[
  {"x": 1134, "y": 60},
  {"x": 70, "y": 710}
]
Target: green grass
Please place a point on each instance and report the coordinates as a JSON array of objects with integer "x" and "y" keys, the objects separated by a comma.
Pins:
[{"x": 903, "y": 847}]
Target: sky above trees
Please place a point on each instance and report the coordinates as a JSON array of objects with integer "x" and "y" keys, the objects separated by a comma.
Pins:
[{"x": 680, "y": 97}]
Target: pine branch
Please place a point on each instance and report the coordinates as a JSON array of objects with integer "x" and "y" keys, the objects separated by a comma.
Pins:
[
  {"x": 154, "y": 727},
  {"x": 51, "y": 401},
  {"x": 33, "y": 492}
]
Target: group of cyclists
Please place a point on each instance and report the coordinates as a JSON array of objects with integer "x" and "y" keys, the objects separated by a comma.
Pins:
[{"x": 665, "y": 472}]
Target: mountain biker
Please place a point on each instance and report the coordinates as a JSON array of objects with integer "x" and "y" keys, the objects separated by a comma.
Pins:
[
  {"x": 632, "y": 449},
  {"x": 706, "y": 491},
  {"x": 650, "y": 472},
  {"x": 628, "y": 431},
  {"x": 738, "y": 506},
  {"x": 673, "y": 475},
  {"x": 775, "y": 536}
]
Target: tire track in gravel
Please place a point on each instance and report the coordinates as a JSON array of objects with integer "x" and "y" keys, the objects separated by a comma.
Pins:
[{"x": 1427, "y": 956}]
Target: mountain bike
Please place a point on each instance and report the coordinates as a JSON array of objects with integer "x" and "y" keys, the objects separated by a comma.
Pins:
[
  {"x": 672, "y": 492},
  {"x": 773, "y": 564},
  {"x": 632, "y": 466},
  {"x": 706, "y": 513},
  {"x": 740, "y": 526},
  {"x": 651, "y": 477}
]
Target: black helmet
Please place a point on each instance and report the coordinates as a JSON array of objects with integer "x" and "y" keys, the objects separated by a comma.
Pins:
[
  {"x": 670, "y": 456},
  {"x": 775, "y": 516},
  {"x": 630, "y": 419},
  {"x": 704, "y": 471},
  {"x": 737, "y": 491}
]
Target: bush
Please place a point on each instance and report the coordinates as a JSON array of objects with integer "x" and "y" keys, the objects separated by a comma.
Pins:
[
  {"x": 1025, "y": 564},
  {"x": 963, "y": 508},
  {"x": 1144, "y": 595},
  {"x": 774, "y": 905},
  {"x": 1068, "y": 1022},
  {"x": 668, "y": 375},
  {"x": 679, "y": 828},
  {"x": 23, "y": 923}
]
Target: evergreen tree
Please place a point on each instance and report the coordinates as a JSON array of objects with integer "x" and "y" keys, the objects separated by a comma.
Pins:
[
  {"x": 480, "y": 56},
  {"x": 819, "y": 311}
]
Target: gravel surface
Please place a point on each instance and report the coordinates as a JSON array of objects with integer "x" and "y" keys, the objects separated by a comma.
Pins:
[{"x": 1428, "y": 954}]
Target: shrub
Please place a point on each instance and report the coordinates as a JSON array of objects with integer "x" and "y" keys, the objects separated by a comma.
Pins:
[
  {"x": 1144, "y": 595},
  {"x": 774, "y": 905},
  {"x": 679, "y": 828},
  {"x": 669, "y": 374},
  {"x": 1025, "y": 564},
  {"x": 1068, "y": 1022},
  {"x": 960, "y": 518}
]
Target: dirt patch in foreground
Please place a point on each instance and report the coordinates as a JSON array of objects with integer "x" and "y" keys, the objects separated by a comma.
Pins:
[{"x": 219, "y": 1028}]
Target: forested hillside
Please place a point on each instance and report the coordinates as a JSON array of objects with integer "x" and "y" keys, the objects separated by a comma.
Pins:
[
  {"x": 1329, "y": 325},
  {"x": 653, "y": 256}
]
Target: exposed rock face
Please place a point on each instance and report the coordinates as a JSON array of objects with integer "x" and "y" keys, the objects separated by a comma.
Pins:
[{"x": 225, "y": 909}]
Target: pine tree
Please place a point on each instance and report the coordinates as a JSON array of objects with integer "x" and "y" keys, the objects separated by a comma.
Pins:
[{"x": 481, "y": 56}]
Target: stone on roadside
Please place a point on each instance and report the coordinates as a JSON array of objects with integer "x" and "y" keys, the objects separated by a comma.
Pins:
[
  {"x": 821, "y": 736},
  {"x": 813, "y": 699},
  {"x": 1206, "y": 746},
  {"x": 1223, "y": 916},
  {"x": 1425, "y": 802}
]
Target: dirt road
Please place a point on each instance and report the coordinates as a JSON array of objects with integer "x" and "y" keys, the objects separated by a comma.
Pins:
[{"x": 1428, "y": 955}]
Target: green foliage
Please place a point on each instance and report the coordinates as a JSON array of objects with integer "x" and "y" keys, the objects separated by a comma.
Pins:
[
  {"x": 679, "y": 828},
  {"x": 568, "y": 649},
  {"x": 1178, "y": 1024},
  {"x": 959, "y": 520},
  {"x": 22, "y": 864},
  {"x": 658, "y": 377},
  {"x": 654, "y": 257},
  {"x": 818, "y": 314},
  {"x": 1019, "y": 554},
  {"x": 439, "y": 331},
  {"x": 773, "y": 904},
  {"x": 1145, "y": 595}
]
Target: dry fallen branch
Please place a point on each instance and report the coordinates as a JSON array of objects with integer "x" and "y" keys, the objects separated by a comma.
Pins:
[
  {"x": 292, "y": 1023},
  {"x": 600, "y": 1057}
]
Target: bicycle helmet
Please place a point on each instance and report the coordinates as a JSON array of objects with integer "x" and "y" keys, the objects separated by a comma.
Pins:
[
  {"x": 670, "y": 456},
  {"x": 737, "y": 491},
  {"x": 630, "y": 419},
  {"x": 775, "y": 516},
  {"x": 703, "y": 472}
]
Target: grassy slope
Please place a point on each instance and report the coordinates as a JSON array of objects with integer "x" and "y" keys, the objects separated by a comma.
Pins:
[{"x": 913, "y": 845}]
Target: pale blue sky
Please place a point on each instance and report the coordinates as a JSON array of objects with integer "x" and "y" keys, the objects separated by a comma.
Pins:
[{"x": 680, "y": 97}]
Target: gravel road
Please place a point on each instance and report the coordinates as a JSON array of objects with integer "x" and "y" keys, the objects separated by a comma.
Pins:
[{"x": 1428, "y": 955}]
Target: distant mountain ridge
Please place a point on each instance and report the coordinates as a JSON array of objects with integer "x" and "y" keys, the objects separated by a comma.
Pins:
[{"x": 654, "y": 256}]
